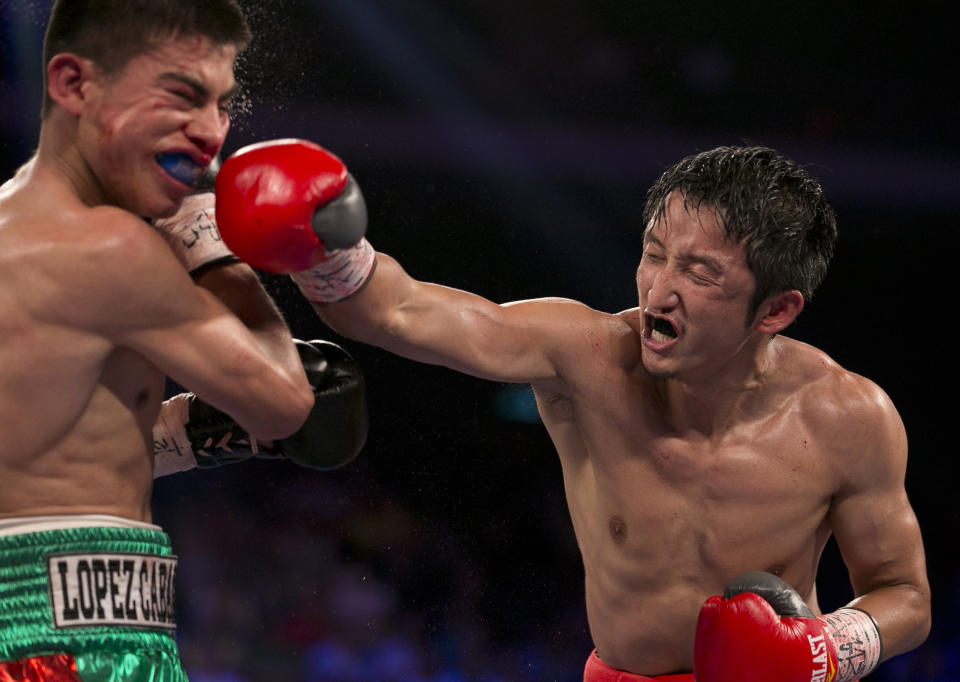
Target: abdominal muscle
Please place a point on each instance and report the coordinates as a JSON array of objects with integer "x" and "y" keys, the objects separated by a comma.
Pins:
[
  {"x": 650, "y": 563},
  {"x": 645, "y": 580},
  {"x": 663, "y": 523},
  {"x": 97, "y": 461}
]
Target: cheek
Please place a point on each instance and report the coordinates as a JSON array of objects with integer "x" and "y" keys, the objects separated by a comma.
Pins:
[
  {"x": 643, "y": 291},
  {"x": 644, "y": 278},
  {"x": 116, "y": 125},
  {"x": 722, "y": 325},
  {"x": 107, "y": 130},
  {"x": 112, "y": 143}
]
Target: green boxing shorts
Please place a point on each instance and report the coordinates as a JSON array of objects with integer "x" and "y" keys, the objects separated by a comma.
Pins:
[{"x": 87, "y": 599}]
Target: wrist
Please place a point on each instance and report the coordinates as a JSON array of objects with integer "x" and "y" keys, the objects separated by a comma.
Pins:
[
  {"x": 193, "y": 235},
  {"x": 856, "y": 638},
  {"x": 339, "y": 276},
  {"x": 189, "y": 434},
  {"x": 172, "y": 451}
]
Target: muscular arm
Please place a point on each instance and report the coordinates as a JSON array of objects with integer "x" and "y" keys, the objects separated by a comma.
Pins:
[
  {"x": 518, "y": 342},
  {"x": 875, "y": 526},
  {"x": 186, "y": 331},
  {"x": 237, "y": 286},
  {"x": 194, "y": 238},
  {"x": 312, "y": 204}
]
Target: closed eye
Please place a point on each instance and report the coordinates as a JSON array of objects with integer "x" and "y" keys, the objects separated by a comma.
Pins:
[
  {"x": 700, "y": 279},
  {"x": 190, "y": 98},
  {"x": 653, "y": 257},
  {"x": 228, "y": 105}
]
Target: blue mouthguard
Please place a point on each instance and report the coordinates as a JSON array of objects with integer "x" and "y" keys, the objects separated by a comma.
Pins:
[{"x": 180, "y": 167}]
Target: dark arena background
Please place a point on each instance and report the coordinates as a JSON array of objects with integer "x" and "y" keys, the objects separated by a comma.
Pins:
[{"x": 505, "y": 148}]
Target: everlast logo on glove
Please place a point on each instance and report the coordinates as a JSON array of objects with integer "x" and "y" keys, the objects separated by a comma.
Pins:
[
  {"x": 818, "y": 649},
  {"x": 135, "y": 590}
]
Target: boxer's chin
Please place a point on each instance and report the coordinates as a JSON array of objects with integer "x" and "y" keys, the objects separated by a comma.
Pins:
[{"x": 654, "y": 372}]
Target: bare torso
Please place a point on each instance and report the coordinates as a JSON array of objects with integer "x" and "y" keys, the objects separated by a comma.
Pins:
[
  {"x": 75, "y": 410},
  {"x": 665, "y": 518}
]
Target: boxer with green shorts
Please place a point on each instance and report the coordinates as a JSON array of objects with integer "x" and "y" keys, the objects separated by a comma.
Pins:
[{"x": 98, "y": 310}]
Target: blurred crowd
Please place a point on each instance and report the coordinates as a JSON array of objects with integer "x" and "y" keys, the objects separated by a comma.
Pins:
[{"x": 298, "y": 580}]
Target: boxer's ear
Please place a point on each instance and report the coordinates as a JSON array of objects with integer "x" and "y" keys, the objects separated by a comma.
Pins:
[
  {"x": 70, "y": 81},
  {"x": 777, "y": 312}
]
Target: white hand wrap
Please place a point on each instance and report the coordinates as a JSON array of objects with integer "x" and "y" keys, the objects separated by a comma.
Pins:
[
  {"x": 192, "y": 233},
  {"x": 174, "y": 450},
  {"x": 857, "y": 637},
  {"x": 340, "y": 276}
]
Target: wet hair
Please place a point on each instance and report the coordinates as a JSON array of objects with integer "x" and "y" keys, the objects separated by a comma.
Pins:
[
  {"x": 111, "y": 32},
  {"x": 766, "y": 202}
]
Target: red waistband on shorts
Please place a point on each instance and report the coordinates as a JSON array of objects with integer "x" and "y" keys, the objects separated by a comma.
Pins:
[{"x": 598, "y": 671}]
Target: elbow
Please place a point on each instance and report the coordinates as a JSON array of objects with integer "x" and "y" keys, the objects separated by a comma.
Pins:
[
  {"x": 924, "y": 617},
  {"x": 918, "y": 615},
  {"x": 303, "y": 405},
  {"x": 288, "y": 414},
  {"x": 918, "y": 635},
  {"x": 299, "y": 407}
]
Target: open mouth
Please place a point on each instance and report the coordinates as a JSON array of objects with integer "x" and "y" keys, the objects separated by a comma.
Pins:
[
  {"x": 181, "y": 167},
  {"x": 660, "y": 329}
]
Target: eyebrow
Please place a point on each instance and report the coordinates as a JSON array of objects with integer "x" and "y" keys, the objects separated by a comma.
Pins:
[
  {"x": 198, "y": 87},
  {"x": 707, "y": 261}
]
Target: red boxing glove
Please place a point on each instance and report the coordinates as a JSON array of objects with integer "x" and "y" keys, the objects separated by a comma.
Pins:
[
  {"x": 283, "y": 205},
  {"x": 761, "y": 630}
]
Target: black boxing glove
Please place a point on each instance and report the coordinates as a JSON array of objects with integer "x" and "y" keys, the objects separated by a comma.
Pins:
[
  {"x": 193, "y": 434},
  {"x": 336, "y": 429}
]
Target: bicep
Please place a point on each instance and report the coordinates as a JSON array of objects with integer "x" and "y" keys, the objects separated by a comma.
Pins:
[
  {"x": 872, "y": 519},
  {"x": 880, "y": 540},
  {"x": 198, "y": 343}
]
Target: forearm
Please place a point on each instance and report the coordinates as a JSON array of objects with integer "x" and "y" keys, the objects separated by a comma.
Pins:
[
  {"x": 760, "y": 629},
  {"x": 193, "y": 235},
  {"x": 420, "y": 321},
  {"x": 237, "y": 286},
  {"x": 902, "y": 613},
  {"x": 441, "y": 325},
  {"x": 370, "y": 315}
]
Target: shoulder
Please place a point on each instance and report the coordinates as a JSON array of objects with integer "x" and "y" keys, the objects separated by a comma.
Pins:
[
  {"x": 104, "y": 266},
  {"x": 577, "y": 326},
  {"x": 851, "y": 413},
  {"x": 113, "y": 231},
  {"x": 583, "y": 343},
  {"x": 569, "y": 318},
  {"x": 106, "y": 250},
  {"x": 841, "y": 398}
]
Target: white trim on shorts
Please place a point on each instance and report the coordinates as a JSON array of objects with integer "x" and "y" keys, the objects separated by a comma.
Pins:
[{"x": 37, "y": 524}]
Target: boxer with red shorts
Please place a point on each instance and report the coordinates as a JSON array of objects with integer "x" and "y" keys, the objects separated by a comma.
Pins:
[
  {"x": 598, "y": 671},
  {"x": 697, "y": 441}
]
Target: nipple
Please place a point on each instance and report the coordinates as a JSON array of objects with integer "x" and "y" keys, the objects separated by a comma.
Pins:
[{"x": 618, "y": 529}]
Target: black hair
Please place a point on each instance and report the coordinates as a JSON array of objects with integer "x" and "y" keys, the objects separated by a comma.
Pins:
[
  {"x": 111, "y": 32},
  {"x": 766, "y": 202}
]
